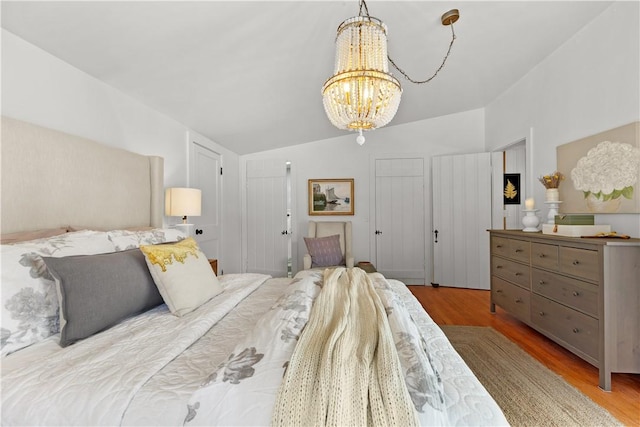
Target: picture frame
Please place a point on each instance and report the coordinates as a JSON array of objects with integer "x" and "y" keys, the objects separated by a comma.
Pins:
[
  {"x": 331, "y": 196},
  {"x": 606, "y": 157},
  {"x": 511, "y": 189}
]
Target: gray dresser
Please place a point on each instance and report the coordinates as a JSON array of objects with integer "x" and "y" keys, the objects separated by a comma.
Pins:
[{"x": 583, "y": 293}]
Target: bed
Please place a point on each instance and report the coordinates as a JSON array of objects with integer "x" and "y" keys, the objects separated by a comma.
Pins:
[{"x": 140, "y": 359}]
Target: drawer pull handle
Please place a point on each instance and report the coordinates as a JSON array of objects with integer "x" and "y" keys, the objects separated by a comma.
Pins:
[
  {"x": 518, "y": 251},
  {"x": 498, "y": 266},
  {"x": 541, "y": 313},
  {"x": 576, "y": 330},
  {"x": 541, "y": 255},
  {"x": 518, "y": 274},
  {"x": 518, "y": 300},
  {"x": 576, "y": 293},
  {"x": 498, "y": 246},
  {"x": 575, "y": 262},
  {"x": 542, "y": 282},
  {"x": 499, "y": 291}
]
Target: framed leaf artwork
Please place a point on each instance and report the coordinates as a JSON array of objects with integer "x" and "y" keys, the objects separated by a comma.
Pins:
[{"x": 511, "y": 189}]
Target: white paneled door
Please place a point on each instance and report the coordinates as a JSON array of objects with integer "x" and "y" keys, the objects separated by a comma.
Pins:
[
  {"x": 399, "y": 219},
  {"x": 461, "y": 217},
  {"x": 205, "y": 173},
  {"x": 267, "y": 232}
]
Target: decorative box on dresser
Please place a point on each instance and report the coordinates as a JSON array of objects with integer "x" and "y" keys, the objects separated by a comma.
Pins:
[{"x": 583, "y": 293}]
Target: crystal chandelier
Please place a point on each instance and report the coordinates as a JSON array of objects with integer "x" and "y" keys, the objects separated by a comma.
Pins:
[{"x": 362, "y": 94}]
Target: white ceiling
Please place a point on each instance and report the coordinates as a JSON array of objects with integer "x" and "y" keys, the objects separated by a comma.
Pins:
[{"x": 248, "y": 74}]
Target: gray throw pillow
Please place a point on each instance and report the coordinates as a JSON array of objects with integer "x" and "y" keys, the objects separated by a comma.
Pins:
[
  {"x": 324, "y": 251},
  {"x": 98, "y": 291}
]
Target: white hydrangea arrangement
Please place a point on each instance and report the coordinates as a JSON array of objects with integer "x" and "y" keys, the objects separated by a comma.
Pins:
[{"x": 608, "y": 171}]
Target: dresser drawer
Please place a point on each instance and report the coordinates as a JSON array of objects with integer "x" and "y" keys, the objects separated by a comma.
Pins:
[
  {"x": 512, "y": 298},
  {"x": 500, "y": 246},
  {"x": 511, "y": 271},
  {"x": 572, "y": 327},
  {"x": 580, "y": 262},
  {"x": 520, "y": 250},
  {"x": 545, "y": 256},
  {"x": 571, "y": 292}
]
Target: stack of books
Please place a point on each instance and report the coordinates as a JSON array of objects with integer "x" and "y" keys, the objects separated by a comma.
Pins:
[
  {"x": 574, "y": 219},
  {"x": 575, "y": 226}
]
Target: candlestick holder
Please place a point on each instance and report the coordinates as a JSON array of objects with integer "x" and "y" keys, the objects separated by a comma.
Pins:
[
  {"x": 530, "y": 220},
  {"x": 553, "y": 211}
]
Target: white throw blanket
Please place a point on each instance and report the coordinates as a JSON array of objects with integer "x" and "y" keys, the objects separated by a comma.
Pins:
[
  {"x": 345, "y": 369},
  {"x": 243, "y": 390}
]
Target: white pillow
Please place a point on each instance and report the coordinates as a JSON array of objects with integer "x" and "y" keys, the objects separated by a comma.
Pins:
[
  {"x": 128, "y": 239},
  {"x": 182, "y": 274},
  {"x": 30, "y": 311}
]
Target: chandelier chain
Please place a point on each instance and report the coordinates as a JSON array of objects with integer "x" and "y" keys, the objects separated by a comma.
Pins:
[
  {"x": 406, "y": 76},
  {"x": 366, "y": 9},
  {"x": 363, "y": 4}
]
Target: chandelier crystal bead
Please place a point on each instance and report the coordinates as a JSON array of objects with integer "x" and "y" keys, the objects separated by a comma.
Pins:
[{"x": 361, "y": 94}]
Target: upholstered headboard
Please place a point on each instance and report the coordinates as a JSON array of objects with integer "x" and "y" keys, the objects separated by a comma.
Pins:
[{"x": 51, "y": 179}]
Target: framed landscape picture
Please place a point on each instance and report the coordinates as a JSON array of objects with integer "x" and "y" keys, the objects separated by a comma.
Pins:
[{"x": 331, "y": 196}]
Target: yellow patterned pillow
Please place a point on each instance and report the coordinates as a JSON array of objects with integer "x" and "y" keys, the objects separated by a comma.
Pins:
[{"x": 182, "y": 274}]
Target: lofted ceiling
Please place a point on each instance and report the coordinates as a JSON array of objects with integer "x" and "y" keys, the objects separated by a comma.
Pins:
[{"x": 248, "y": 74}]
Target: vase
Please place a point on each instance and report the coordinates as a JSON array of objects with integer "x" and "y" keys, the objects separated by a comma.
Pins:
[
  {"x": 552, "y": 195},
  {"x": 597, "y": 205}
]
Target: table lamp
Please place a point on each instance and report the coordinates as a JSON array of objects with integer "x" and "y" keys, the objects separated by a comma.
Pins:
[{"x": 183, "y": 202}]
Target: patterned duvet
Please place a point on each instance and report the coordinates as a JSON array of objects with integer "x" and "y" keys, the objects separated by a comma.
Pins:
[{"x": 158, "y": 369}]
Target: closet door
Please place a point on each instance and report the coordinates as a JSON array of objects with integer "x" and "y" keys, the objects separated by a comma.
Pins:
[
  {"x": 205, "y": 173},
  {"x": 399, "y": 219},
  {"x": 267, "y": 225},
  {"x": 461, "y": 217}
]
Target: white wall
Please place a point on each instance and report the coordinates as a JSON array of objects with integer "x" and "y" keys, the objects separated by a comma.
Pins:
[
  {"x": 588, "y": 85},
  {"x": 39, "y": 88},
  {"x": 342, "y": 157}
]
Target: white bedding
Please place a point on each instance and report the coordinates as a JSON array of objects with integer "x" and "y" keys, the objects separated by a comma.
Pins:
[
  {"x": 93, "y": 381},
  {"x": 145, "y": 370}
]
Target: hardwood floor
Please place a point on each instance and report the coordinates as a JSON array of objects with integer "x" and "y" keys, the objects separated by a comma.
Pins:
[{"x": 454, "y": 306}]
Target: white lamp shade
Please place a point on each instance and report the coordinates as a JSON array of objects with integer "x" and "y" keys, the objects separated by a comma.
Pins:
[{"x": 183, "y": 202}]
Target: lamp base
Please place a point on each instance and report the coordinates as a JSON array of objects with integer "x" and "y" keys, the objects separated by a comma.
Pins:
[{"x": 186, "y": 229}]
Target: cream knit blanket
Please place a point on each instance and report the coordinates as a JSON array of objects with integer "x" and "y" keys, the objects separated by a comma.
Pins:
[{"x": 345, "y": 369}]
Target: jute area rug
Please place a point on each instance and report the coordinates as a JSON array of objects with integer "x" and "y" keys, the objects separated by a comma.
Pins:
[{"x": 528, "y": 392}]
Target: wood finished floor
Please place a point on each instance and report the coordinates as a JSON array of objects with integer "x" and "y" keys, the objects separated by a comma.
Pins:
[{"x": 453, "y": 306}]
